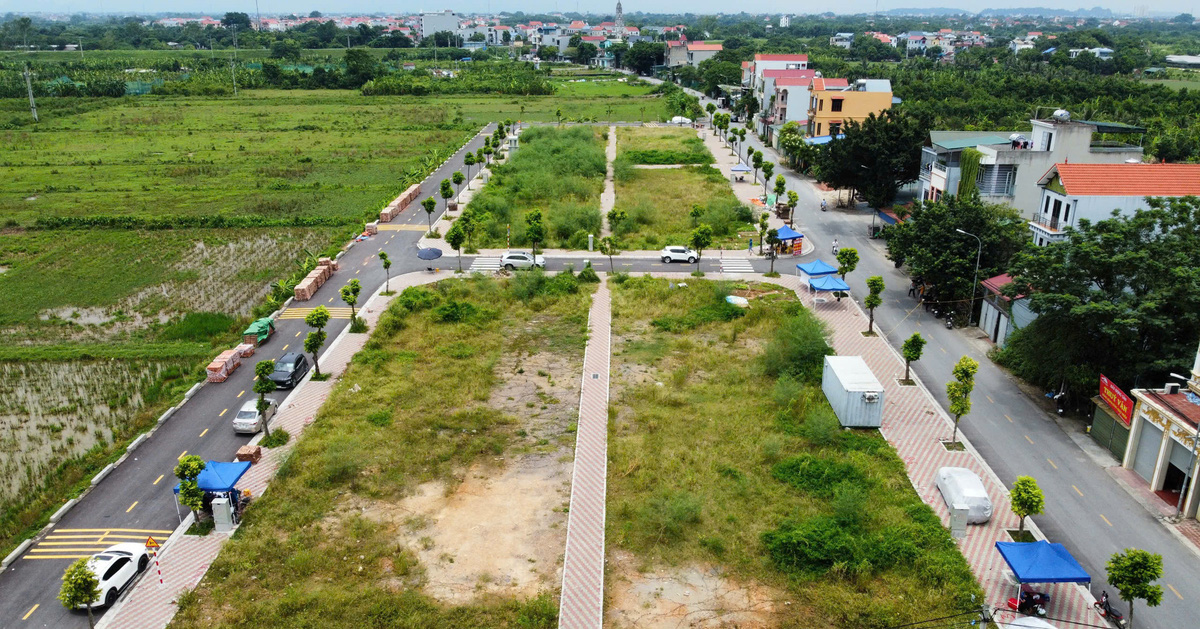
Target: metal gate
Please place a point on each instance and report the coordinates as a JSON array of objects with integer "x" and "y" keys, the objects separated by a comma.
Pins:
[
  {"x": 1149, "y": 442},
  {"x": 1108, "y": 431}
]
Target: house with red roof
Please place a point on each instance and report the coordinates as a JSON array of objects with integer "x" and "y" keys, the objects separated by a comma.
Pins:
[
  {"x": 676, "y": 53},
  {"x": 1072, "y": 192},
  {"x": 699, "y": 51}
]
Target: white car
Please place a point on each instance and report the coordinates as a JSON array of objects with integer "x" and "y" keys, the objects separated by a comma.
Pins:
[
  {"x": 678, "y": 254},
  {"x": 521, "y": 260},
  {"x": 961, "y": 486},
  {"x": 249, "y": 421},
  {"x": 116, "y": 568}
]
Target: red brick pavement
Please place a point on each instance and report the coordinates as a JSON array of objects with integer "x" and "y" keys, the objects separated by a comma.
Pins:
[
  {"x": 582, "y": 603},
  {"x": 151, "y": 605}
]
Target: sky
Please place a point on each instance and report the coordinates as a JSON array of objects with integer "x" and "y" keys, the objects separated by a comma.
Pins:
[{"x": 531, "y": 6}]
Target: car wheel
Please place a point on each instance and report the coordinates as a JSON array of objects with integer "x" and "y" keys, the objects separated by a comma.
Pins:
[
  {"x": 111, "y": 598},
  {"x": 508, "y": 267},
  {"x": 691, "y": 260},
  {"x": 142, "y": 563},
  {"x": 666, "y": 260}
]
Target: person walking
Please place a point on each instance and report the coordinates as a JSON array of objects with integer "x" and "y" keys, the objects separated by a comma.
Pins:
[{"x": 823, "y": 205}]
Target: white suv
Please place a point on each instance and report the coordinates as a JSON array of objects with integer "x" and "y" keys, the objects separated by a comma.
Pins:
[
  {"x": 678, "y": 254},
  {"x": 521, "y": 260}
]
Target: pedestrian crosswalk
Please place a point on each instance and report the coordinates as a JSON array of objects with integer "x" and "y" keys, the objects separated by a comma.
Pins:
[
  {"x": 300, "y": 313},
  {"x": 485, "y": 265},
  {"x": 736, "y": 265}
]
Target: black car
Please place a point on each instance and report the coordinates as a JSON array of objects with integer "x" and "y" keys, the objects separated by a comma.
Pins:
[{"x": 289, "y": 370}]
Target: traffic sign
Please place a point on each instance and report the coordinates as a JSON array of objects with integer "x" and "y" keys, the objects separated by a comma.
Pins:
[{"x": 151, "y": 543}]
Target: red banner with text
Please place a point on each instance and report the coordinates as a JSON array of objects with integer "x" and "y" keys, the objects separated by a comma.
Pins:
[{"x": 1116, "y": 399}]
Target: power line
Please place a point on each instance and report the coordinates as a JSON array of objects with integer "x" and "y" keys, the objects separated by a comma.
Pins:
[{"x": 975, "y": 612}]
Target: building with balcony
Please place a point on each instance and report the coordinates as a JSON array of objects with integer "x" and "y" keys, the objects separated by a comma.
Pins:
[
  {"x": 834, "y": 102},
  {"x": 767, "y": 94},
  {"x": 1012, "y": 162},
  {"x": 1070, "y": 192},
  {"x": 842, "y": 40}
]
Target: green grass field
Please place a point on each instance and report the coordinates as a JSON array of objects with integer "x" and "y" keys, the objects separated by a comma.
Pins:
[
  {"x": 660, "y": 203},
  {"x": 422, "y": 415},
  {"x": 661, "y": 145},
  {"x": 723, "y": 450}
]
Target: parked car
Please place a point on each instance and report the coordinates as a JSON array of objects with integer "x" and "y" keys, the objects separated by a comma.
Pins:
[
  {"x": 521, "y": 260},
  {"x": 115, "y": 569},
  {"x": 961, "y": 486},
  {"x": 678, "y": 254},
  {"x": 1029, "y": 622},
  {"x": 289, "y": 370},
  {"x": 249, "y": 421}
]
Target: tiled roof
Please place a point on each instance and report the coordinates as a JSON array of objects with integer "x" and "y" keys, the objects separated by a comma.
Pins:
[
  {"x": 1130, "y": 180},
  {"x": 703, "y": 46},
  {"x": 789, "y": 74},
  {"x": 821, "y": 84},
  {"x": 793, "y": 81},
  {"x": 781, "y": 57}
]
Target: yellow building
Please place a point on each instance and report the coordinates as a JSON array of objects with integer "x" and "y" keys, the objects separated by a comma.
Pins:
[{"x": 834, "y": 102}]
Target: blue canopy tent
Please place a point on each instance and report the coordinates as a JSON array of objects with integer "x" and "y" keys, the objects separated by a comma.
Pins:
[
  {"x": 1042, "y": 562},
  {"x": 740, "y": 168},
  {"x": 217, "y": 478},
  {"x": 787, "y": 233},
  {"x": 791, "y": 241},
  {"x": 828, "y": 283},
  {"x": 816, "y": 268}
]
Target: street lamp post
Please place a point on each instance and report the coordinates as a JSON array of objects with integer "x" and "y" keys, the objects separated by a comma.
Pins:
[{"x": 974, "y": 284}]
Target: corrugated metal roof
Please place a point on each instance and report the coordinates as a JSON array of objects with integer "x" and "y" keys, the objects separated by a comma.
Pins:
[{"x": 971, "y": 142}]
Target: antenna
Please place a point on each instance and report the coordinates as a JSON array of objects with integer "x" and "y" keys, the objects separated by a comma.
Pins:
[{"x": 29, "y": 88}]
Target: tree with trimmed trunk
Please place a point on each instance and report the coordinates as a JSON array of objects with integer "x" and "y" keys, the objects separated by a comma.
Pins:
[
  {"x": 774, "y": 241},
  {"x": 756, "y": 160},
  {"x": 317, "y": 319},
  {"x": 768, "y": 169},
  {"x": 430, "y": 204},
  {"x": 80, "y": 587},
  {"x": 1026, "y": 499},
  {"x": 958, "y": 390},
  {"x": 468, "y": 162},
  {"x": 741, "y": 138},
  {"x": 763, "y": 225},
  {"x": 263, "y": 384},
  {"x": 793, "y": 200},
  {"x": 387, "y": 270},
  {"x": 847, "y": 261},
  {"x": 458, "y": 180},
  {"x": 873, "y": 300},
  {"x": 535, "y": 231},
  {"x": 912, "y": 349},
  {"x": 780, "y": 187},
  {"x": 711, "y": 109},
  {"x": 349, "y": 294},
  {"x": 608, "y": 247},
  {"x": 455, "y": 238},
  {"x": 487, "y": 153},
  {"x": 190, "y": 494},
  {"x": 1133, "y": 573},
  {"x": 446, "y": 191},
  {"x": 480, "y": 158},
  {"x": 701, "y": 238}
]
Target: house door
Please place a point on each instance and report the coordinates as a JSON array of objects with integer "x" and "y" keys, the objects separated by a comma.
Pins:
[
  {"x": 1177, "y": 464},
  {"x": 1149, "y": 441}
]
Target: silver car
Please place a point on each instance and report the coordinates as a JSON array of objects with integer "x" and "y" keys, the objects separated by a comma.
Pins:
[
  {"x": 521, "y": 260},
  {"x": 249, "y": 421}
]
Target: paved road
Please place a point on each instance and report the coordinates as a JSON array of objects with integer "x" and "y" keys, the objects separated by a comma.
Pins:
[
  {"x": 1087, "y": 510},
  {"x": 136, "y": 499}
]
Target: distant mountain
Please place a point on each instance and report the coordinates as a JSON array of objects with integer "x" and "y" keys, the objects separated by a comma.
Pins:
[{"x": 1097, "y": 12}]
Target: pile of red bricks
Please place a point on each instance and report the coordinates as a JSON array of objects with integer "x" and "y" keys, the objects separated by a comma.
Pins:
[
  {"x": 397, "y": 206},
  {"x": 313, "y": 281},
  {"x": 226, "y": 363}
]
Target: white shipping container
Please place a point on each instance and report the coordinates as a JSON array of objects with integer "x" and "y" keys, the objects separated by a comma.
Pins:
[{"x": 853, "y": 391}]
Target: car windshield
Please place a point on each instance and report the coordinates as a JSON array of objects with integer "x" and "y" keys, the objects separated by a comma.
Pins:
[
  {"x": 246, "y": 415},
  {"x": 284, "y": 367}
]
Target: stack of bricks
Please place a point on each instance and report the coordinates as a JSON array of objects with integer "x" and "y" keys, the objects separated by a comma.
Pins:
[
  {"x": 225, "y": 364},
  {"x": 311, "y": 282},
  {"x": 245, "y": 350}
]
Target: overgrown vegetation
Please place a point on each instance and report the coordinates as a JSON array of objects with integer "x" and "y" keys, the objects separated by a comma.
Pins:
[
  {"x": 657, "y": 145},
  {"x": 288, "y": 565},
  {"x": 723, "y": 450},
  {"x": 658, "y": 207}
]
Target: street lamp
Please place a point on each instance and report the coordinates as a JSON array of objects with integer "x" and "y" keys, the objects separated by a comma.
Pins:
[{"x": 974, "y": 284}]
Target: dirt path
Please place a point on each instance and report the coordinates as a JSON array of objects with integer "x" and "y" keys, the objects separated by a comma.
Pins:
[{"x": 608, "y": 198}]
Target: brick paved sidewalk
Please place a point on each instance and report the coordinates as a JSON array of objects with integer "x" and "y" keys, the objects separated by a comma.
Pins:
[
  {"x": 184, "y": 559},
  {"x": 582, "y": 603}
]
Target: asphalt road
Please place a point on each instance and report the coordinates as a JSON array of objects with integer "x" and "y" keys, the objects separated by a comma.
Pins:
[{"x": 136, "y": 500}]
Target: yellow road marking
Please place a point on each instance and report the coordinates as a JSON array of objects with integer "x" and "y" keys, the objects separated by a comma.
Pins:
[
  {"x": 87, "y": 537},
  {"x": 159, "y": 531},
  {"x": 358, "y": 271},
  {"x": 1180, "y": 596},
  {"x": 79, "y": 544},
  {"x": 990, "y": 399},
  {"x": 331, "y": 300},
  {"x": 34, "y": 608},
  {"x": 1077, "y": 490},
  {"x": 1008, "y": 418},
  {"x": 1028, "y": 439},
  {"x": 57, "y": 556},
  {"x": 204, "y": 433},
  {"x": 368, "y": 260},
  {"x": 223, "y": 413},
  {"x": 943, "y": 349},
  {"x": 398, "y": 227},
  {"x": 182, "y": 454},
  {"x": 1105, "y": 519},
  {"x": 160, "y": 477},
  {"x": 1052, "y": 464},
  {"x": 284, "y": 348},
  {"x": 131, "y": 506},
  {"x": 297, "y": 335}
]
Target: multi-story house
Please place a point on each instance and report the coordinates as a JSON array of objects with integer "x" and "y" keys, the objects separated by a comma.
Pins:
[
  {"x": 766, "y": 93},
  {"x": 834, "y": 103},
  {"x": 789, "y": 104},
  {"x": 1074, "y": 191},
  {"x": 676, "y": 53},
  {"x": 842, "y": 40},
  {"x": 699, "y": 51},
  {"x": 436, "y": 22}
]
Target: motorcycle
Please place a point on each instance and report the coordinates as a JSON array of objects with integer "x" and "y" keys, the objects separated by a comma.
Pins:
[
  {"x": 1031, "y": 603},
  {"x": 1106, "y": 610}
]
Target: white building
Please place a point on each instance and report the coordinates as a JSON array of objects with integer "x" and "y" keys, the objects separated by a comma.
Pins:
[
  {"x": 1072, "y": 191},
  {"x": 785, "y": 21},
  {"x": 1103, "y": 54},
  {"x": 842, "y": 40},
  {"x": 436, "y": 22}
]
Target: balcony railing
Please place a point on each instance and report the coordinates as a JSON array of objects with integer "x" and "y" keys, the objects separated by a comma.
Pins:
[{"x": 1050, "y": 224}]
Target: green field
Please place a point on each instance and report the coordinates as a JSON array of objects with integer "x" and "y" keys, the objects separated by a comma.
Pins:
[
  {"x": 725, "y": 459},
  {"x": 659, "y": 204},
  {"x": 661, "y": 145}
]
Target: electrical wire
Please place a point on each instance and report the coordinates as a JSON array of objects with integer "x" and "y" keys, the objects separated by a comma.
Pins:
[
  {"x": 1058, "y": 620},
  {"x": 922, "y": 622}
]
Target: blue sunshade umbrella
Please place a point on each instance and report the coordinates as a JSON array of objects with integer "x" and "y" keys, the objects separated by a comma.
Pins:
[{"x": 429, "y": 253}]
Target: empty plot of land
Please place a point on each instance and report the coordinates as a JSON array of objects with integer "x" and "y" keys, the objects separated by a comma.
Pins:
[
  {"x": 661, "y": 145},
  {"x": 662, "y": 206}
]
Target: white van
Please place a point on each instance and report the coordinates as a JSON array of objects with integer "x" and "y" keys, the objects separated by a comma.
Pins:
[{"x": 961, "y": 486}]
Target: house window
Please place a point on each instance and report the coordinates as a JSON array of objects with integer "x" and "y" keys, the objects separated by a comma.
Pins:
[
  {"x": 1049, "y": 142},
  {"x": 835, "y": 104},
  {"x": 820, "y": 104},
  {"x": 835, "y": 127},
  {"x": 1046, "y": 205},
  {"x": 818, "y": 128}
]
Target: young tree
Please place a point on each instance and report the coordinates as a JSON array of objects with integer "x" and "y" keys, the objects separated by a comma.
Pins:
[
  {"x": 317, "y": 319},
  {"x": 876, "y": 156},
  {"x": 763, "y": 225},
  {"x": 608, "y": 247},
  {"x": 455, "y": 238},
  {"x": 912, "y": 349},
  {"x": 349, "y": 294},
  {"x": 480, "y": 158},
  {"x": 190, "y": 494},
  {"x": 959, "y": 390},
  {"x": 263, "y": 384},
  {"x": 847, "y": 258},
  {"x": 1027, "y": 499},
  {"x": 468, "y": 162},
  {"x": 711, "y": 109},
  {"x": 458, "y": 179},
  {"x": 534, "y": 230},
  {"x": 873, "y": 300},
  {"x": 774, "y": 241},
  {"x": 1133, "y": 573},
  {"x": 780, "y": 187},
  {"x": 793, "y": 200},
  {"x": 742, "y": 138},
  {"x": 768, "y": 169},
  {"x": 80, "y": 587},
  {"x": 430, "y": 204},
  {"x": 487, "y": 153},
  {"x": 702, "y": 237},
  {"x": 756, "y": 160},
  {"x": 387, "y": 273},
  {"x": 447, "y": 192}
]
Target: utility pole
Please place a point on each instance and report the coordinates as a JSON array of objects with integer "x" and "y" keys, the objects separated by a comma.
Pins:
[
  {"x": 29, "y": 88},
  {"x": 235, "y": 43},
  {"x": 259, "y": 13},
  {"x": 233, "y": 76},
  {"x": 80, "y": 47}
]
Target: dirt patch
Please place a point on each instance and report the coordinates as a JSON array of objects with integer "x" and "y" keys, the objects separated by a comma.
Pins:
[{"x": 686, "y": 596}]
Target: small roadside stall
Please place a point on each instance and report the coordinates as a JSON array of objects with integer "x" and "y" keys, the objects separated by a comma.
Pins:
[
  {"x": 816, "y": 268},
  {"x": 739, "y": 172},
  {"x": 828, "y": 284},
  {"x": 1039, "y": 562},
  {"x": 218, "y": 481},
  {"x": 791, "y": 241}
]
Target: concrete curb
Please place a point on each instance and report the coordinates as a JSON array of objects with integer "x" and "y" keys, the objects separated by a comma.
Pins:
[
  {"x": 104, "y": 472},
  {"x": 58, "y": 515},
  {"x": 164, "y": 417},
  {"x": 192, "y": 391},
  {"x": 175, "y": 535},
  {"x": 16, "y": 553},
  {"x": 136, "y": 442}
]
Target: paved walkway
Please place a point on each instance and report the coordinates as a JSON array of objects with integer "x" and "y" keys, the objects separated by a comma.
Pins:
[
  {"x": 184, "y": 559},
  {"x": 608, "y": 198},
  {"x": 582, "y": 603}
]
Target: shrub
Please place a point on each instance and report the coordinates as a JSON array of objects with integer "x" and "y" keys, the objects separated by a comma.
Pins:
[
  {"x": 720, "y": 310},
  {"x": 416, "y": 298},
  {"x": 813, "y": 546},
  {"x": 798, "y": 348},
  {"x": 588, "y": 274},
  {"x": 666, "y": 516},
  {"x": 454, "y": 311},
  {"x": 817, "y": 475},
  {"x": 277, "y": 438}
]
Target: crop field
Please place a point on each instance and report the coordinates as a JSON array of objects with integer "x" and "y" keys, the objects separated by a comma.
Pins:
[
  {"x": 661, "y": 145},
  {"x": 431, "y": 489},
  {"x": 732, "y": 487},
  {"x": 663, "y": 205}
]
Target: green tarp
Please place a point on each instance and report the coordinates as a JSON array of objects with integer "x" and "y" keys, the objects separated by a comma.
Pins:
[{"x": 261, "y": 328}]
